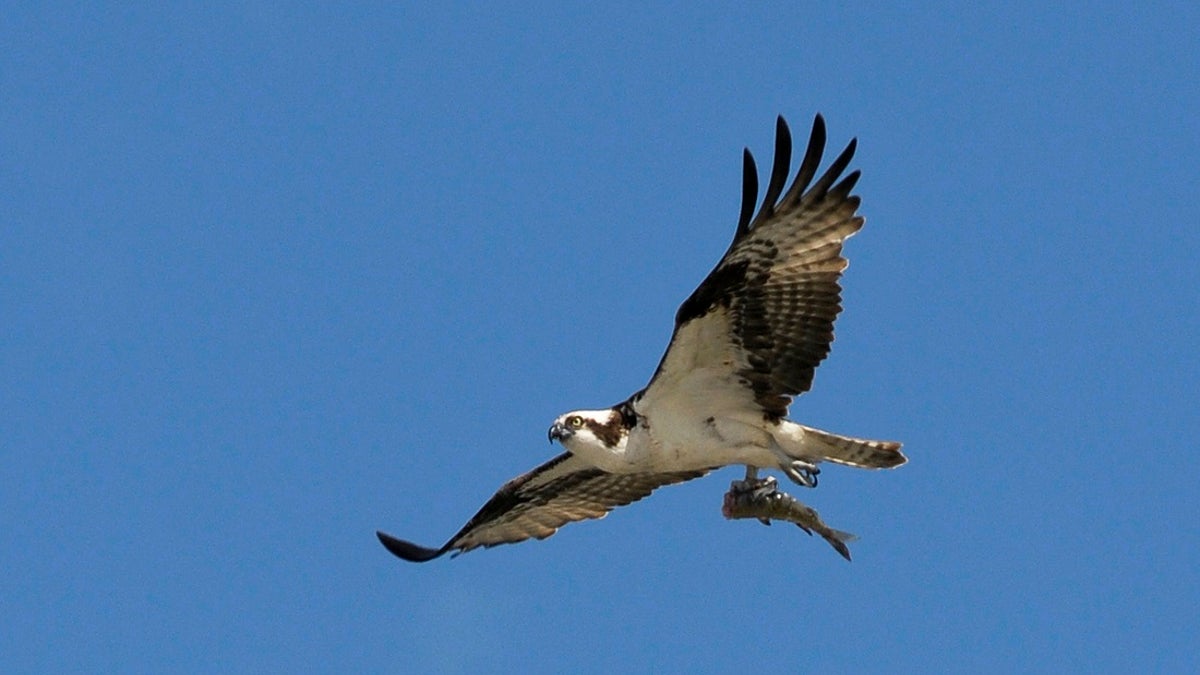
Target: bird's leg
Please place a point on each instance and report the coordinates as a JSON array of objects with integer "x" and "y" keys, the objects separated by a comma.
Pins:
[
  {"x": 748, "y": 483},
  {"x": 753, "y": 484},
  {"x": 802, "y": 472}
]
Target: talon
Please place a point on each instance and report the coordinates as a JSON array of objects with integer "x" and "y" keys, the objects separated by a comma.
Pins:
[
  {"x": 755, "y": 487},
  {"x": 802, "y": 472},
  {"x": 765, "y": 488},
  {"x": 750, "y": 490}
]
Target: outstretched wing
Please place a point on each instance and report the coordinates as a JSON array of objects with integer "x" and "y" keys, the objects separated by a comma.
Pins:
[
  {"x": 537, "y": 503},
  {"x": 765, "y": 313}
]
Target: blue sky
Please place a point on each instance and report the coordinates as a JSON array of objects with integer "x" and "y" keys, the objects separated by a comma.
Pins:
[{"x": 275, "y": 276}]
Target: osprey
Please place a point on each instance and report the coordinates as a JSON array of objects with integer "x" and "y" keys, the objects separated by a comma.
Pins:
[{"x": 745, "y": 342}]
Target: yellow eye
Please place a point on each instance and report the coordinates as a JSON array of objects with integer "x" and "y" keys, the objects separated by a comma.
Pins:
[{"x": 575, "y": 421}]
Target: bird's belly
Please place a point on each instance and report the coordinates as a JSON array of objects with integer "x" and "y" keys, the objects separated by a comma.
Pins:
[
  {"x": 709, "y": 420},
  {"x": 706, "y": 442}
]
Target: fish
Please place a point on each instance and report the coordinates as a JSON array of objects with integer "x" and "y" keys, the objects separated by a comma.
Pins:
[{"x": 762, "y": 499}]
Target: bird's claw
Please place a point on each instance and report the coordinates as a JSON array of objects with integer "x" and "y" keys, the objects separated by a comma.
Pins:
[
  {"x": 802, "y": 472},
  {"x": 756, "y": 488},
  {"x": 752, "y": 489}
]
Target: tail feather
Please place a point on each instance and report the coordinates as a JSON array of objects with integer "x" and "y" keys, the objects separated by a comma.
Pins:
[{"x": 859, "y": 452}]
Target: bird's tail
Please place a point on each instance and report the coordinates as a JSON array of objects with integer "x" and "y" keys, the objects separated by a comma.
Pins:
[{"x": 823, "y": 446}]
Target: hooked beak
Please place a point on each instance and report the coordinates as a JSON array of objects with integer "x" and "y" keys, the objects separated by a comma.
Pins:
[{"x": 558, "y": 432}]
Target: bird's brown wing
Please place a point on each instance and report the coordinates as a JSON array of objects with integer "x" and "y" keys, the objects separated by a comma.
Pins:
[
  {"x": 536, "y": 504},
  {"x": 766, "y": 311}
]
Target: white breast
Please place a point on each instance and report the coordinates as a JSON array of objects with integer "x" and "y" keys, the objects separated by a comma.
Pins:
[{"x": 708, "y": 421}]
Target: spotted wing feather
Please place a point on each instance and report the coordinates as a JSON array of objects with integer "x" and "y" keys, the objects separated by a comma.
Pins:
[
  {"x": 536, "y": 504},
  {"x": 777, "y": 285}
]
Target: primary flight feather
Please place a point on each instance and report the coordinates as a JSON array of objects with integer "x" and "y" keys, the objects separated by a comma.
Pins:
[{"x": 746, "y": 341}]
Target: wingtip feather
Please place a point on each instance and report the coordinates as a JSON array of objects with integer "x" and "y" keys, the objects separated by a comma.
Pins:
[
  {"x": 749, "y": 193},
  {"x": 406, "y": 550},
  {"x": 780, "y": 168}
]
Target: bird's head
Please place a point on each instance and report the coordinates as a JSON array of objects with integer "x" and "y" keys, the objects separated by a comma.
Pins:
[{"x": 591, "y": 434}]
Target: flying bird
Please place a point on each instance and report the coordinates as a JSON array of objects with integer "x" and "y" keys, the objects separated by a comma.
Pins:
[{"x": 746, "y": 341}]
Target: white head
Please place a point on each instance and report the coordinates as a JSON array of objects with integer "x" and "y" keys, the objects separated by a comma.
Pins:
[{"x": 597, "y": 436}]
